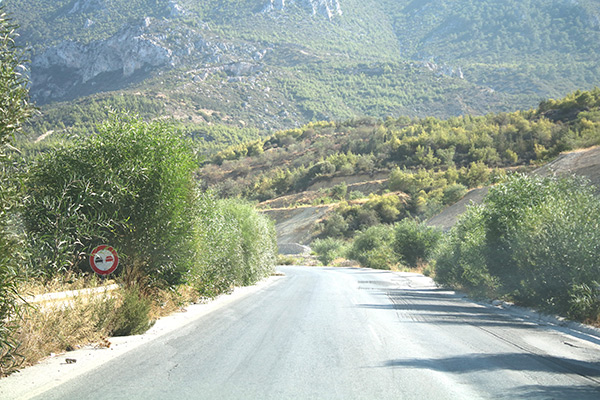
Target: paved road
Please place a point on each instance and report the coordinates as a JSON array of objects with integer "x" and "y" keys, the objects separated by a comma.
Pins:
[{"x": 324, "y": 333}]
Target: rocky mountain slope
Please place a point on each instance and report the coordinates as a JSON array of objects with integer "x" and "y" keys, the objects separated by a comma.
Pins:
[{"x": 280, "y": 63}]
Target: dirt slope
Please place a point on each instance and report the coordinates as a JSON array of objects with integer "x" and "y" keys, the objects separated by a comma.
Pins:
[
  {"x": 447, "y": 218},
  {"x": 581, "y": 163},
  {"x": 294, "y": 225}
]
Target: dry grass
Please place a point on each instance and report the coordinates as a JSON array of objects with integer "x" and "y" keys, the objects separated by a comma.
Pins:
[
  {"x": 166, "y": 302},
  {"x": 63, "y": 328},
  {"x": 82, "y": 321},
  {"x": 422, "y": 268},
  {"x": 342, "y": 262}
]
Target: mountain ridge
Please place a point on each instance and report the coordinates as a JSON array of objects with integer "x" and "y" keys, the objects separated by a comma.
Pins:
[{"x": 279, "y": 64}]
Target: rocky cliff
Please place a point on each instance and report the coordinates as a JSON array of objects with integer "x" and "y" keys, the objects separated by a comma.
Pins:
[
  {"x": 59, "y": 70},
  {"x": 327, "y": 8}
]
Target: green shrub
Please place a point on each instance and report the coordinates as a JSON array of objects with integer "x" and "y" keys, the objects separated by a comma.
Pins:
[
  {"x": 235, "y": 245},
  {"x": 534, "y": 240},
  {"x": 14, "y": 93},
  {"x": 132, "y": 316},
  {"x": 11, "y": 256},
  {"x": 542, "y": 238},
  {"x": 335, "y": 226},
  {"x": 14, "y": 109},
  {"x": 585, "y": 302},
  {"x": 373, "y": 247},
  {"x": 415, "y": 242},
  {"x": 257, "y": 238},
  {"x": 340, "y": 191},
  {"x": 454, "y": 193},
  {"x": 388, "y": 207},
  {"x": 9, "y": 307},
  {"x": 328, "y": 249},
  {"x": 459, "y": 260},
  {"x": 218, "y": 249},
  {"x": 130, "y": 186}
]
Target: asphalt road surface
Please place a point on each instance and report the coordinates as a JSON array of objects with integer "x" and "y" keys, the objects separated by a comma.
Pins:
[{"x": 325, "y": 333}]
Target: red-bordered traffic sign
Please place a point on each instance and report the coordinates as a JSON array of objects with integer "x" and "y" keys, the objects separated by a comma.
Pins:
[{"x": 104, "y": 260}]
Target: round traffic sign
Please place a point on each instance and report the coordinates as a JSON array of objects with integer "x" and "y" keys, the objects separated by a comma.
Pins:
[{"x": 104, "y": 260}]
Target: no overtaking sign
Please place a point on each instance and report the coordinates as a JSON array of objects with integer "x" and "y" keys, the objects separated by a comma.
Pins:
[{"x": 104, "y": 260}]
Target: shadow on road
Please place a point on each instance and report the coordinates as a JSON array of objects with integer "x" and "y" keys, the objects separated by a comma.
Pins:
[
  {"x": 557, "y": 392},
  {"x": 518, "y": 362},
  {"x": 510, "y": 361},
  {"x": 438, "y": 307}
]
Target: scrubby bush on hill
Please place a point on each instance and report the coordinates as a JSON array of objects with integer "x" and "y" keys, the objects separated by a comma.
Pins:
[
  {"x": 373, "y": 247},
  {"x": 534, "y": 240},
  {"x": 460, "y": 257},
  {"x": 351, "y": 218},
  {"x": 329, "y": 249}
]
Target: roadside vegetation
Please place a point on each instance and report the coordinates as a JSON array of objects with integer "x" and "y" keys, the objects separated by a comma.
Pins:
[
  {"x": 15, "y": 109},
  {"x": 132, "y": 186},
  {"x": 533, "y": 241}
]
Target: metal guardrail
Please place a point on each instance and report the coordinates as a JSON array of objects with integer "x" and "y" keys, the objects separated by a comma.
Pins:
[{"x": 51, "y": 300}]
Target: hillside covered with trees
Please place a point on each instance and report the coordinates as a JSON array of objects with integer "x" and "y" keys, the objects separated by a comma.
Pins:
[
  {"x": 231, "y": 62},
  {"x": 428, "y": 158}
]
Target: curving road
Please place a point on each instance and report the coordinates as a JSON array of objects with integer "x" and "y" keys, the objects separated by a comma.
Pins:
[{"x": 325, "y": 333}]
